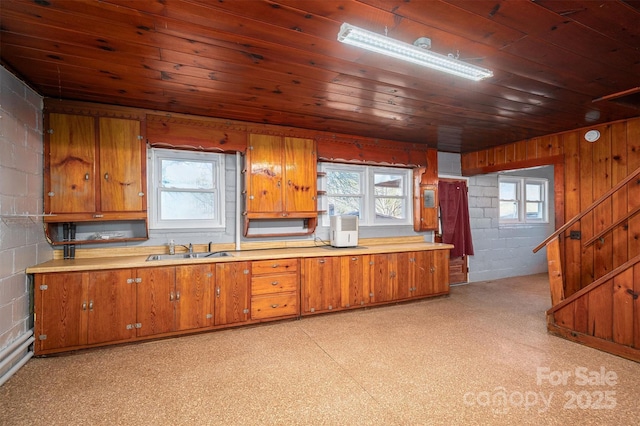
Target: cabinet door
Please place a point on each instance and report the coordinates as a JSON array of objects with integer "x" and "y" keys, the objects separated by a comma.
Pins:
[
  {"x": 121, "y": 159},
  {"x": 60, "y": 311},
  {"x": 231, "y": 301},
  {"x": 422, "y": 275},
  {"x": 440, "y": 271},
  {"x": 264, "y": 163},
  {"x": 320, "y": 280},
  {"x": 384, "y": 279},
  {"x": 155, "y": 300},
  {"x": 111, "y": 306},
  {"x": 354, "y": 279},
  {"x": 300, "y": 175},
  {"x": 403, "y": 275},
  {"x": 193, "y": 296},
  {"x": 70, "y": 164}
]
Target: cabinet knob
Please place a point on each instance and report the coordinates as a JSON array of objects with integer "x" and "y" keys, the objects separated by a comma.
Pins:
[
  {"x": 217, "y": 291},
  {"x": 86, "y": 176},
  {"x": 51, "y": 193},
  {"x": 274, "y": 283},
  {"x": 106, "y": 176},
  {"x": 140, "y": 194},
  {"x": 275, "y": 305}
]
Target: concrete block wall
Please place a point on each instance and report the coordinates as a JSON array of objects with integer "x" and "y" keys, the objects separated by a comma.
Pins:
[
  {"x": 500, "y": 251},
  {"x": 22, "y": 241}
]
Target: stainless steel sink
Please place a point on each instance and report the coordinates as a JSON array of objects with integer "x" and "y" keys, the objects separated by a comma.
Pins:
[{"x": 178, "y": 256}]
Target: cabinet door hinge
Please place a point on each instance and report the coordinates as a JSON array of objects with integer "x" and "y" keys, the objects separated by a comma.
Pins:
[{"x": 44, "y": 287}]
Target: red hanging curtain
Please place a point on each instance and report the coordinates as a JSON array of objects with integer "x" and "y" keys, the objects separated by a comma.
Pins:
[{"x": 454, "y": 216}]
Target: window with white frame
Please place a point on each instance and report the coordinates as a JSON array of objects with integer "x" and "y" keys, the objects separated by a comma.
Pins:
[
  {"x": 186, "y": 189},
  {"x": 377, "y": 195},
  {"x": 523, "y": 200}
]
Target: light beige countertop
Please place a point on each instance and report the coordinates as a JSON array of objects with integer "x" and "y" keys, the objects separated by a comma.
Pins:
[{"x": 139, "y": 261}]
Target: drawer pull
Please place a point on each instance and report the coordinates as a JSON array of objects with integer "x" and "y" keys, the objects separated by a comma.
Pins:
[
  {"x": 91, "y": 305},
  {"x": 275, "y": 265},
  {"x": 177, "y": 295},
  {"x": 275, "y": 305},
  {"x": 171, "y": 296},
  {"x": 274, "y": 283}
]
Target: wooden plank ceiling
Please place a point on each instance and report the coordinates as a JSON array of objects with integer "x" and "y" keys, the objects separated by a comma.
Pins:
[{"x": 279, "y": 62}]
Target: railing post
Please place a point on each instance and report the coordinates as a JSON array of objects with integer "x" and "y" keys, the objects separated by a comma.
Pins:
[{"x": 554, "y": 267}]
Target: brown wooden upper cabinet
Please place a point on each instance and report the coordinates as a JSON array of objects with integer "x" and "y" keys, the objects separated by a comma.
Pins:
[
  {"x": 95, "y": 167},
  {"x": 95, "y": 171},
  {"x": 281, "y": 178}
]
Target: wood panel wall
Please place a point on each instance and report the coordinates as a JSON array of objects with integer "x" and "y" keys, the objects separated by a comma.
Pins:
[
  {"x": 583, "y": 172},
  {"x": 605, "y": 317}
]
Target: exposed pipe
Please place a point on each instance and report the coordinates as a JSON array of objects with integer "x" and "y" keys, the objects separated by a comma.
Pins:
[
  {"x": 238, "y": 198},
  {"x": 8, "y": 354}
]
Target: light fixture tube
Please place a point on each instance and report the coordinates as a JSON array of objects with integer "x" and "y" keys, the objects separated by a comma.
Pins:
[{"x": 408, "y": 52}]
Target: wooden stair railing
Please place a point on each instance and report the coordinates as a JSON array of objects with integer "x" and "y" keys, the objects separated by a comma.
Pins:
[
  {"x": 614, "y": 225},
  {"x": 603, "y": 279},
  {"x": 595, "y": 204},
  {"x": 603, "y": 314},
  {"x": 552, "y": 242}
]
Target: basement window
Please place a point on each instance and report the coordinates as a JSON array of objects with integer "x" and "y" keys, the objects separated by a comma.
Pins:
[
  {"x": 186, "y": 189},
  {"x": 377, "y": 195},
  {"x": 523, "y": 200}
]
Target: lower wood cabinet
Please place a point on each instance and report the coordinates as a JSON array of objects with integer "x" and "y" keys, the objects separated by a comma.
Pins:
[
  {"x": 76, "y": 310},
  {"x": 232, "y": 292},
  {"x": 347, "y": 282},
  {"x": 171, "y": 299},
  {"x": 79, "y": 309},
  {"x": 274, "y": 289},
  {"x": 354, "y": 281},
  {"x": 321, "y": 287}
]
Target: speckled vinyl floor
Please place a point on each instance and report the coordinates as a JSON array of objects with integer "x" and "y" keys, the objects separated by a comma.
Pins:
[{"x": 478, "y": 357}]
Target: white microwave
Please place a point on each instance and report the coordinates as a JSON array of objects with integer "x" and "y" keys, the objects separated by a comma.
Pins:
[{"x": 343, "y": 231}]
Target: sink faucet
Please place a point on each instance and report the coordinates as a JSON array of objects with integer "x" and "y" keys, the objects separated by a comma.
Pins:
[{"x": 189, "y": 247}]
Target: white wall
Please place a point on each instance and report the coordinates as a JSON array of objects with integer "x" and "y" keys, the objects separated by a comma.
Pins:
[
  {"x": 22, "y": 241},
  {"x": 500, "y": 251}
]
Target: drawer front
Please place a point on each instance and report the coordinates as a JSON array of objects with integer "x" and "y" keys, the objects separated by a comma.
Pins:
[
  {"x": 274, "y": 306},
  {"x": 261, "y": 267},
  {"x": 276, "y": 283}
]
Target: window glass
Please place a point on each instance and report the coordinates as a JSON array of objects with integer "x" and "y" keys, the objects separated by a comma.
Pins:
[
  {"x": 389, "y": 190},
  {"x": 378, "y": 195},
  {"x": 187, "y": 174},
  {"x": 522, "y": 200},
  {"x": 186, "y": 190}
]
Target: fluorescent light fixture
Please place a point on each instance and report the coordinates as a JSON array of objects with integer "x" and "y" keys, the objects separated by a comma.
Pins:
[{"x": 409, "y": 52}]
